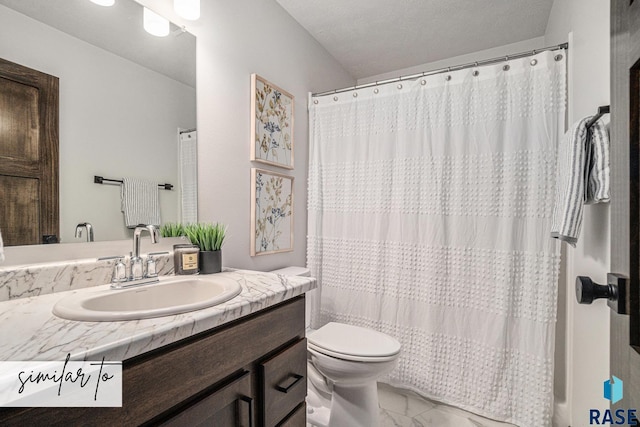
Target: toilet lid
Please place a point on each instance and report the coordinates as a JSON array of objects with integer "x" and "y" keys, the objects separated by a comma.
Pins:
[{"x": 347, "y": 340}]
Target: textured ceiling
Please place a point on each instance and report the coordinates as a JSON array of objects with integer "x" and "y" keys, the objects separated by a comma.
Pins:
[
  {"x": 117, "y": 29},
  {"x": 370, "y": 37}
]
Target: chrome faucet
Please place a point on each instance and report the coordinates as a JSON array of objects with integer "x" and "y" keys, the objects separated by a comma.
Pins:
[
  {"x": 138, "y": 274},
  {"x": 153, "y": 232},
  {"x": 137, "y": 266},
  {"x": 88, "y": 227}
]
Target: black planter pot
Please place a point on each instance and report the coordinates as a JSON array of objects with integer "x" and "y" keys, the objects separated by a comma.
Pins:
[{"x": 210, "y": 262}]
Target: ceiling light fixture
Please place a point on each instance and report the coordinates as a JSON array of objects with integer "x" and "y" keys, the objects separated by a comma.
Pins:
[
  {"x": 155, "y": 24},
  {"x": 104, "y": 2},
  {"x": 187, "y": 9}
]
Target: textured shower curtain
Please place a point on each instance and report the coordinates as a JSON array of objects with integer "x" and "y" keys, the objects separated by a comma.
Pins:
[{"x": 430, "y": 208}]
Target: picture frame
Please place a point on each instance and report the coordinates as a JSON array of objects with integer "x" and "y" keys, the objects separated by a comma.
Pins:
[
  {"x": 272, "y": 120},
  {"x": 272, "y": 215}
]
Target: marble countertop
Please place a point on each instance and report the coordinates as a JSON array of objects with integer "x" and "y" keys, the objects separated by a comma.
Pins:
[{"x": 30, "y": 331}]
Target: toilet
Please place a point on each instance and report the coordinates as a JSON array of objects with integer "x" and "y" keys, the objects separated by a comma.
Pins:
[{"x": 344, "y": 363}]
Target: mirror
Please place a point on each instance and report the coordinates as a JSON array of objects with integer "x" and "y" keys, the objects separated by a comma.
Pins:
[{"x": 126, "y": 99}]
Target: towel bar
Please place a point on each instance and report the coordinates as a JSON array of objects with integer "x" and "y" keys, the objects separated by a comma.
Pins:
[
  {"x": 99, "y": 180},
  {"x": 601, "y": 112}
]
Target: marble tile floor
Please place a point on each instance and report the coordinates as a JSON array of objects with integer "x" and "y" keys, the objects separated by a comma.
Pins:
[{"x": 404, "y": 408}]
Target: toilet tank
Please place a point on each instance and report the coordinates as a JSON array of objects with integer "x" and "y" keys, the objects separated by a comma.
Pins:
[{"x": 300, "y": 271}]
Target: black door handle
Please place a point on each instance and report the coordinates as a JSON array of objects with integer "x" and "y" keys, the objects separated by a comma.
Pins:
[
  {"x": 615, "y": 291},
  {"x": 587, "y": 290}
]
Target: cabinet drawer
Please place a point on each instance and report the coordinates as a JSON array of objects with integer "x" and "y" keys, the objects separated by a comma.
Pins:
[
  {"x": 228, "y": 406},
  {"x": 298, "y": 418},
  {"x": 284, "y": 382}
]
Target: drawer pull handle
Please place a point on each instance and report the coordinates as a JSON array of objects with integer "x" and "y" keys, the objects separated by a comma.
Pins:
[
  {"x": 285, "y": 388},
  {"x": 249, "y": 401}
]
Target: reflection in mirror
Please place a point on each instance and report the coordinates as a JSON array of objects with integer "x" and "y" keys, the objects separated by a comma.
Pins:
[{"x": 127, "y": 103}]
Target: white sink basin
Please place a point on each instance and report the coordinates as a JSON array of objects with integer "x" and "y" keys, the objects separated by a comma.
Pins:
[{"x": 170, "y": 296}]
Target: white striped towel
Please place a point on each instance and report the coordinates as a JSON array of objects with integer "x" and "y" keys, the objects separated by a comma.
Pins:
[
  {"x": 582, "y": 177},
  {"x": 140, "y": 202}
]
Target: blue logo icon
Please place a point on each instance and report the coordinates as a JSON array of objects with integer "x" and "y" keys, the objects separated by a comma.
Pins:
[{"x": 613, "y": 389}]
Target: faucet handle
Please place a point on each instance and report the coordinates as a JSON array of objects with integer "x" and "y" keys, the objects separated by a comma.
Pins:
[
  {"x": 119, "y": 271},
  {"x": 151, "y": 265}
]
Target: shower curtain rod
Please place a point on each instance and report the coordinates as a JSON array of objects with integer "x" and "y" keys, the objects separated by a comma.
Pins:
[{"x": 445, "y": 70}]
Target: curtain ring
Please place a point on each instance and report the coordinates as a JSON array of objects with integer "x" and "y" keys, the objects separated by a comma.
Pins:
[{"x": 506, "y": 67}]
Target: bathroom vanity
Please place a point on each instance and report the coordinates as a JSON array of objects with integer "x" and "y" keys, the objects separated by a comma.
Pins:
[{"x": 241, "y": 363}]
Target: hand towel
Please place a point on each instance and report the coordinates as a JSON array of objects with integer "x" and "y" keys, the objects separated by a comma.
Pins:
[
  {"x": 140, "y": 202},
  {"x": 1, "y": 248},
  {"x": 582, "y": 177}
]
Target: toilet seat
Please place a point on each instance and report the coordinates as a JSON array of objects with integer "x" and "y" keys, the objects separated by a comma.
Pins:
[{"x": 353, "y": 343}]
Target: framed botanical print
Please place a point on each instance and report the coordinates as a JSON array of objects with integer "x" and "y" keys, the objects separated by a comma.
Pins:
[
  {"x": 271, "y": 124},
  {"x": 271, "y": 212}
]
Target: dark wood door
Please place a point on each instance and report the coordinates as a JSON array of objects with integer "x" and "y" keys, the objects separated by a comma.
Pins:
[
  {"x": 625, "y": 197},
  {"x": 28, "y": 155}
]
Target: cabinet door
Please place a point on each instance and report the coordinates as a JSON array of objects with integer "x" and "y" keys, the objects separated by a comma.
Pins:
[
  {"x": 229, "y": 406},
  {"x": 284, "y": 382}
]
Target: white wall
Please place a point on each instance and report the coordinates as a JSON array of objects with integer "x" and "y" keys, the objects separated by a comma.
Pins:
[
  {"x": 116, "y": 119},
  {"x": 234, "y": 39},
  {"x": 585, "y": 24},
  {"x": 523, "y": 46}
]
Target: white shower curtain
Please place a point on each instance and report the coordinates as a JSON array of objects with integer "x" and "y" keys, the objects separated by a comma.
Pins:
[{"x": 430, "y": 207}]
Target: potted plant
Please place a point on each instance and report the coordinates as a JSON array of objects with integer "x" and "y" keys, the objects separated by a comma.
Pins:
[
  {"x": 209, "y": 238},
  {"x": 172, "y": 229}
]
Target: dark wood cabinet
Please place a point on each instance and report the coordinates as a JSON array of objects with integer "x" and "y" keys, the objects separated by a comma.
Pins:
[
  {"x": 283, "y": 378},
  {"x": 249, "y": 372},
  {"x": 230, "y": 405}
]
